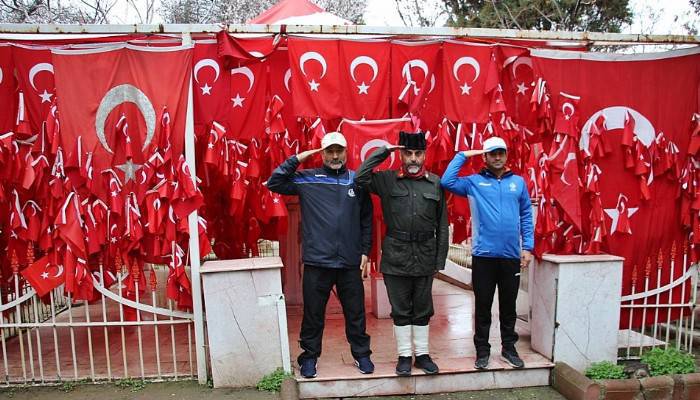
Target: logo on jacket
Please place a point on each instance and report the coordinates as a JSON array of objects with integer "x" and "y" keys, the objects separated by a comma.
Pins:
[
  {"x": 512, "y": 186},
  {"x": 351, "y": 192}
]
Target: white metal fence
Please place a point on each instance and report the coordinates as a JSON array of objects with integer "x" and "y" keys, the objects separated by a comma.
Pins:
[
  {"x": 666, "y": 306},
  {"x": 115, "y": 337}
]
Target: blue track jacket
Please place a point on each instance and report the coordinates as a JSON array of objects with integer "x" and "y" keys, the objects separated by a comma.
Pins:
[
  {"x": 336, "y": 214},
  {"x": 500, "y": 208}
]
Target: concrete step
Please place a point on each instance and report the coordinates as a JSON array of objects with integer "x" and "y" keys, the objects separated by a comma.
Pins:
[{"x": 456, "y": 375}]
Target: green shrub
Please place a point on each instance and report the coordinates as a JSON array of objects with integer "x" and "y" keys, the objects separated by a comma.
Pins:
[
  {"x": 272, "y": 382},
  {"x": 605, "y": 370},
  {"x": 669, "y": 361}
]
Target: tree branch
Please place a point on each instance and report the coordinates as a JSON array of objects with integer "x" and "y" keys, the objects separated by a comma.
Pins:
[{"x": 512, "y": 17}]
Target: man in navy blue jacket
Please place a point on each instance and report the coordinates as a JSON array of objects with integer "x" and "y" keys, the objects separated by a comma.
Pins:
[
  {"x": 336, "y": 223},
  {"x": 502, "y": 242}
]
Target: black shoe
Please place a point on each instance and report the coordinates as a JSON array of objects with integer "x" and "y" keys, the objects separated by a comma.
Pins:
[
  {"x": 365, "y": 365},
  {"x": 424, "y": 362},
  {"x": 512, "y": 358},
  {"x": 308, "y": 368},
  {"x": 403, "y": 366},
  {"x": 482, "y": 362}
]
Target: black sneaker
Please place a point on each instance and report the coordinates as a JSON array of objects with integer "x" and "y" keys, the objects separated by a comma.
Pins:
[
  {"x": 424, "y": 362},
  {"x": 403, "y": 366},
  {"x": 482, "y": 362},
  {"x": 512, "y": 358},
  {"x": 308, "y": 368},
  {"x": 364, "y": 364}
]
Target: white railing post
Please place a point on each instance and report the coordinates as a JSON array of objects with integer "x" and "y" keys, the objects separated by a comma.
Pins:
[{"x": 197, "y": 304}]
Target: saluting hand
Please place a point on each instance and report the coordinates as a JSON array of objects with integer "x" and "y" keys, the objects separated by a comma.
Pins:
[
  {"x": 392, "y": 147},
  {"x": 364, "y": 266},
  {"x": 306, "y": 154},
  {"x": 472, "y": 153}
]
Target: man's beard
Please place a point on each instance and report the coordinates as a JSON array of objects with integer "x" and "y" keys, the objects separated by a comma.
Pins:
[
  {"x": 335, "y": 164},
  {"x": 413, "y": 168}
]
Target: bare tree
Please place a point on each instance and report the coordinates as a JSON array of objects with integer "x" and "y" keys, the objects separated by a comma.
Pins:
[
  {"x": 351, "y": 10},
  {"x": 239, "y": 11},
  {"x": 56, "y": 11},
  {"x": 421, "y": 13},
  {"x": 144, "y": 9}
]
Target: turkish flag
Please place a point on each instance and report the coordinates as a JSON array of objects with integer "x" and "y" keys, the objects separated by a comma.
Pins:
[
  {"x": 8, "y": 97},
  {"x": 44, "y": 275},
  {"x": 413, "y": 74},
  {"x": 517, "y": 80},
  {"x": 211, "y": 87},
  {"x": 246, "y": 113},
  {"x": 364, "y": 137},
  {"x": 659, "y": 94},
  {"x": 35, "y": 79},
  {"x": 315, "y": 65},
  {"x": 365, "y": 78},
  {"x": 465, "y": 69},
  {"x": 138, "y": 84},
  {"x": 280, "y": 86}
]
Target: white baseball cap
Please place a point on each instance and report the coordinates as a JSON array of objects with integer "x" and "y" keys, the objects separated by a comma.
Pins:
[
  {"x": 332, "y": 138},
  {"x": 494, "y": 143}
]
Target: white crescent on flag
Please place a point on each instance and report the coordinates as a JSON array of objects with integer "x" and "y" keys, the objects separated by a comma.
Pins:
[
  {"x": 312, "y": 55},
  {"x": 615, "y": 119}
]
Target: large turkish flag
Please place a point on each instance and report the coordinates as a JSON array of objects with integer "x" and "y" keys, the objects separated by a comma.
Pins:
[
  {"x": 465, "y": 69},
  {"x": 315, "y": 65},
  {"x": 114, "y": 99},
  {"x": 364, "y": 78},
  {"x": 413, "y": 74},
  {"x": 642, "y": 100}
]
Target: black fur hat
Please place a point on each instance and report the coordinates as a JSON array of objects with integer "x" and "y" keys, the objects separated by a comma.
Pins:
[{"x": 412, "y": 141}]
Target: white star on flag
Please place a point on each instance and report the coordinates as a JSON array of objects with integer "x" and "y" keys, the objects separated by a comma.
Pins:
[
  {"x": 46, "y": 97},
  {"x": 614, "y": 214},
  {"x": 45, "y": 275},
  {"x": 314, "y": 85},
  {"x": 522, "y": 88},
  {"x": 238, "y": 100},
  {"x": 129, "y": 169},
  {"x": 363, "y": 88},
  {"x": 466, "y": 89},
  {"x": 206, "y": 89}
]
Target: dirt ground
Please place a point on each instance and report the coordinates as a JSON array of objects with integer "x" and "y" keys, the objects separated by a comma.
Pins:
[{"x": 188, "y": 390}]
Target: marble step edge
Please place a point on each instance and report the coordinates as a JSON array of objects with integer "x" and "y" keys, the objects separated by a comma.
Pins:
[{"x": 538, "y": 366}]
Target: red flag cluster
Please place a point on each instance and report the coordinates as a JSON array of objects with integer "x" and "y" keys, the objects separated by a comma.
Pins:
[{"x": 91, "y": 142}]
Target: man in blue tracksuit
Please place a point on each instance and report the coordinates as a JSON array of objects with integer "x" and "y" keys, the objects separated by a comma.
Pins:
[
  {"x": 502, "y": 242},
  {"x": 336, "y": 223}
]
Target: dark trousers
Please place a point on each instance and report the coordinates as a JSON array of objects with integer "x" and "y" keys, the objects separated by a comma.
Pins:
[
  {"x": 317, "y": 285},
  {"x": 411, "y": 299},
  {"x": 487, "y": 274}
]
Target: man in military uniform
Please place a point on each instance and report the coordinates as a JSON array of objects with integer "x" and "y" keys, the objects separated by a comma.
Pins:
[{"x": 415, "y": 246}]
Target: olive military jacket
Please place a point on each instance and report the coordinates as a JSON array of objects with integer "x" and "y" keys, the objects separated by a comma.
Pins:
[{"x": 415, "y": 215}]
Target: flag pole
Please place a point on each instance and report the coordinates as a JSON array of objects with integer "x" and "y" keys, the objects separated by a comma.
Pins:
[{"x": 192, "y": 220}]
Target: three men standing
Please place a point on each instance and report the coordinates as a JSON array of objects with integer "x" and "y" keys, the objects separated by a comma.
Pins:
[
  {"x": 336, "y": 222},
  {"x": 502, "y": 242},
  {"x": 415, "y": 246}
]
